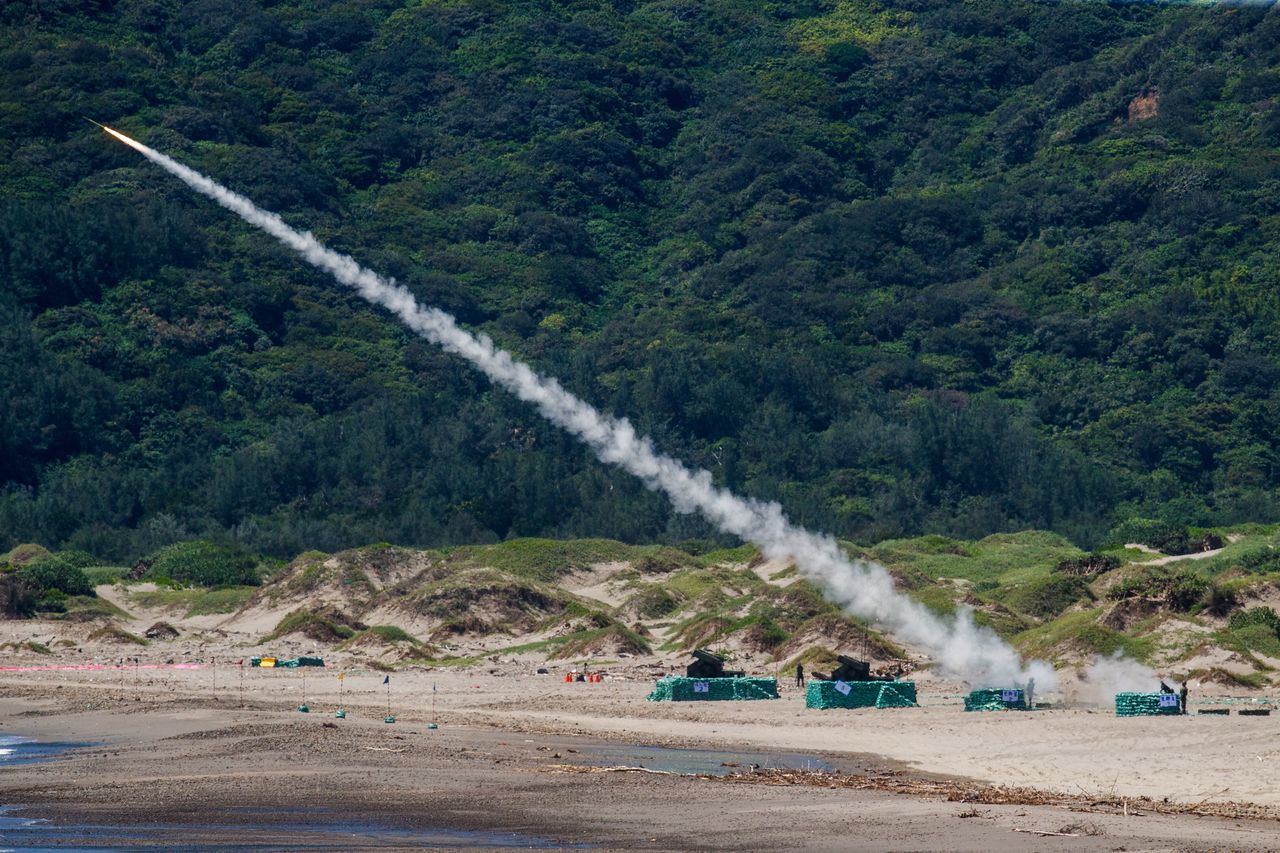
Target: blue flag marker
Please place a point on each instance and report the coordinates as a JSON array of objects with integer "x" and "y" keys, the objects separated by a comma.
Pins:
[{"x": 386, "y": 680}]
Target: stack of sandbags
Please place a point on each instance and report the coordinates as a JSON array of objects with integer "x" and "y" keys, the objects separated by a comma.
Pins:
[
  {"x": 681, "y": 689},
  {"x": 860, "y": 694},
  {"x": 1146, "y": 704},
  {"x": 999, "y": 699}
]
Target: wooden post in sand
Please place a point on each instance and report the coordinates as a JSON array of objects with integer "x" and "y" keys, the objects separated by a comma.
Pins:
[{"x": 241, "y": 683}]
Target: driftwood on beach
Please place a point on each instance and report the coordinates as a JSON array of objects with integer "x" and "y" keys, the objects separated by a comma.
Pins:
[{"x": 961, "y": 791}]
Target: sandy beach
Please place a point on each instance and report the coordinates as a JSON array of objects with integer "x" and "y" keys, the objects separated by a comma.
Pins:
[{"x": 190, "y": 754}]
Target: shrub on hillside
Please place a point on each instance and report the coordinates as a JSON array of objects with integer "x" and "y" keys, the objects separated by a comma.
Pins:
[
  {"x": 203, "y": 563},
  {"x": 326, "y": 625},
  {"x": 1161, "y": 535},
  {"x": 1047, "y": 597},
  {"x": 52, "y": 573},
  {"x": 662, "y": 562},
  {"x": 1089, "y": 564},
  {"x": 17, "y": 597},
  {"x": 79, "y": 559},
  {"x": 656, "y": 602},
  {"x": 1220, "y": 600},
  {"x": 1180, "y": 589},
  {"x": 1261, "y": 561},
  {"x": 762, "y": 633},
  {"x": 1264, "y": 616}
]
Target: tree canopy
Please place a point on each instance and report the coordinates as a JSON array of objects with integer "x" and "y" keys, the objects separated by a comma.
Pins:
[{"x": 905, "y": 266}]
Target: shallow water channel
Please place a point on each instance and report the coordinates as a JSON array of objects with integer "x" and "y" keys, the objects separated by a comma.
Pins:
[
  {"x": 316, "y": 831},
  {"x": 24, "y": 750},
  {"x": 313, "y": 829}
]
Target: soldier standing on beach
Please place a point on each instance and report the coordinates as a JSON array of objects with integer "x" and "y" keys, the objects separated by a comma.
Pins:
[{"x": 799, "y": 675}]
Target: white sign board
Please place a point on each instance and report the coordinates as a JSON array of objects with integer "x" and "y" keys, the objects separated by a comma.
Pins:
[
  {"x": 1169, "y": 700},
  {"x": 1010, "y": 695},
  {"x": 701, "y": 687},
  {"x": 843, "y": 687}
]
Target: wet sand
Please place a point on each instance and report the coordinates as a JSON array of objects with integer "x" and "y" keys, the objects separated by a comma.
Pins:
[{"x": 178, "y": 759}]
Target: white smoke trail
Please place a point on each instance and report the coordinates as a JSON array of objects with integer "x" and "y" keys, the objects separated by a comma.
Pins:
[
  {"x": 957, "y": 645},
  {"x": 1106, "y": 677}
]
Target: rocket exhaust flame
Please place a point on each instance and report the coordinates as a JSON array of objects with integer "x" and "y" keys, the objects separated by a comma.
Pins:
[
  {"x": 958, "y": 645},
  {"x": 132, "y": 143}
]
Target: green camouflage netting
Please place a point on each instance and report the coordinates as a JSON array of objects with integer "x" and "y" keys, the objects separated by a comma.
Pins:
[
  {"x": 1146, "y": 704},
  {"x": 1002, "y": 699},
  {"x": 679, "y": 689},
  {"x": 862, "y": 694}
]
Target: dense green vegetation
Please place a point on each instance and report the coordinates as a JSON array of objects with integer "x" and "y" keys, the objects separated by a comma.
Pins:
[
  {"x": 911, "y": 266},
  {"x": 200, "y": 563},
  {"x": 195, "y": 601}
]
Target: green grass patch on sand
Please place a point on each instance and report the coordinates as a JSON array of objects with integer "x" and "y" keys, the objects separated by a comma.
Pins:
[
  {"x": 164, "y": 598},
  {"x": 314, "y": 625},
  {"x": 1080, "y": 635},
  {"x": 100, "y": 575},
  {"x": 547, "y": 559},
  {"x": 938, "y": 599},
  {"x": 1003, "y": 621},
  {"x": 1044, "y": 598},
  {"x": 1249, "y": 639},
  {"x": 217, "y": 601},
  {"x": 1005, "y": 557},
  {"x": 115, "y": 634},
  {"x": 654, "y": 601},
  {"x": 393, "y": 638},
  {"x": 85, "y": 608},
  {"x": 393, "y": 634},
  {"x": 814, "y": 658},
  {"x": 194, "y": 601}
]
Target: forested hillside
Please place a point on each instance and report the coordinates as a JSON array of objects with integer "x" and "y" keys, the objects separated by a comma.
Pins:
[{"x": 907, "y": 267}]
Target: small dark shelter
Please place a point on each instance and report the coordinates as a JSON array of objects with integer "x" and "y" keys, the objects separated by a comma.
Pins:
[
  {"x": 708, "y": 665},
  {"x": 851, "y": 669}
]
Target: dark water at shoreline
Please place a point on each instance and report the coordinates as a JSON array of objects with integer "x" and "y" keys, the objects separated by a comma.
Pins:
[
  {"x": 309, "y": 829},
  {"x": 15, "y": 749},
  {"x": 320, "y": 832}
]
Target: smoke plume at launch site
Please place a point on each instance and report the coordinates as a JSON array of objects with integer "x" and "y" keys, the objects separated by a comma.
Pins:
[{"x": 866, "y": 590}]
